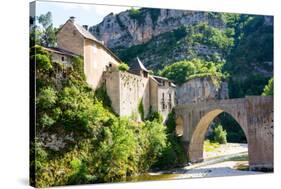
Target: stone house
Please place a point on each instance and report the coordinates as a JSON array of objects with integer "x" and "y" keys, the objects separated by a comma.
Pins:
[
  {"x": 60, "y": 55},
  {"x": 97, "y": 57},
  {"x": 128, "y": 90}
]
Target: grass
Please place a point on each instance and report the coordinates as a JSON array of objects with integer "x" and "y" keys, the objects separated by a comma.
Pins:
[{"x": 210, "y": 146}]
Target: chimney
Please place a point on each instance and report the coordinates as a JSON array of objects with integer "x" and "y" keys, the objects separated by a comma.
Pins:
[
  {"x": 85, "y": 27},
  {"x": 72, "y": 18}
]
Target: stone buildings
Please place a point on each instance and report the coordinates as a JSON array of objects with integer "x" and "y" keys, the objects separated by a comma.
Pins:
[{"x": 132, "y": 92}]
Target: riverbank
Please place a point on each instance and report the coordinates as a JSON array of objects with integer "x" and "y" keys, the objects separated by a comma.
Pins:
[{"x": 229, "y": 159}]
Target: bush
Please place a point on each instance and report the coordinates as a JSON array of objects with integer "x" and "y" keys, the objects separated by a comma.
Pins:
[
  {"x": 123, "y": 67},
  {"x": 220, "y": 135},
  {"x": 181, "y": 71},
  {"x": 141, "y": 109},
  {"x": 78, "y": 66},
  {"x": 154, "y": 116},
  {"x": 43, "y": 62},
  {"x": 46, "y": 98},
  {"x": 268, "y": 89}
]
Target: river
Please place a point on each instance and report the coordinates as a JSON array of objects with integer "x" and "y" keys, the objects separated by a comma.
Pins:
[{"x": 228, "y": 160}]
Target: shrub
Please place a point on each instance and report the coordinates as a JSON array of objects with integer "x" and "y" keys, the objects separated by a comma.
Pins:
[
  {"x": 154, "y": 116},
  {"x": 171, "y": 122},
  {"x": 43, "y": 62},
  {"x": 46, "y": 98},
  {"x": 268, "y": 89},
  {"x": 123, "y": 67},
  {"x": 141, "y": 109},
  {"x": 157, "y": 141},
  {"x": 78, "y": 66},
  {"x": 182, "y": 71},
  {"x": 102, "y": 96},
  {"x": 220, "y": 135}
]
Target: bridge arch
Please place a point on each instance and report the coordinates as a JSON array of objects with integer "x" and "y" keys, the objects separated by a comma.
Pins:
[
  {"x": 196, "y": 144},
  {"x": 254, "y": 114}
]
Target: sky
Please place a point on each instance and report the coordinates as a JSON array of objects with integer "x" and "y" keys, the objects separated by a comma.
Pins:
[{"x": 86, "y": 14}]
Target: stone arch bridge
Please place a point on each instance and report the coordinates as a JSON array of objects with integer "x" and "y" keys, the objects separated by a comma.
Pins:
[{"x": 253, "y": 113}]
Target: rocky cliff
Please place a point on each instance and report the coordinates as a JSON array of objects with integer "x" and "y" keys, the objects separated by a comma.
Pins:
[
  {"x": 137, "y": 26},
  {"x": 201, "y": 90}
]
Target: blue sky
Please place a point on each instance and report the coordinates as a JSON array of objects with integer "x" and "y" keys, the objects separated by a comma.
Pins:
[{"x": 86, "y": 14}]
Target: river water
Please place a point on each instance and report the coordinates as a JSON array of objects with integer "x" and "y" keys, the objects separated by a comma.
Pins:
[{"x": 223, "y": 163}]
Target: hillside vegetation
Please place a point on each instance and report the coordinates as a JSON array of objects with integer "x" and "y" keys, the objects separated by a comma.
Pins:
[
  {"x": 79, "y": 139},
  {"x": 242, "y": 50}
]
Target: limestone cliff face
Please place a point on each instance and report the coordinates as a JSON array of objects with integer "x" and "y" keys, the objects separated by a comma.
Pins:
[
  {"x": 200, "y": 90},
  {"x": 127, "y": 29}
]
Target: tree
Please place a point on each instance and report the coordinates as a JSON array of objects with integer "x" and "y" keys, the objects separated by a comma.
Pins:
[
  {"x": 268, "y": 89},
  {"x": 220, "y": 135},
  {"x": 181, "y": 71},
  {"x": 44, "y": 33}
]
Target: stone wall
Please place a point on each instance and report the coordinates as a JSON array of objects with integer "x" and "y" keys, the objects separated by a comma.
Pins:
[
  {"x": 96, "y": 61},
  {"x": 260, "y": 129},
  {"x": 70, "y": 39},
  {"x": 201, "y": 89},
  {"x": 126, "y": 92},
  {"x": 66, "y": 60}
]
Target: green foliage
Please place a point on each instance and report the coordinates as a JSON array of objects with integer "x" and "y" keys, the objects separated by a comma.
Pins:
[
  {"x": 174, "y": 154},
  {"x": 78, "y": 66},
  {"x": 141, "y": 109},
  {"x": 211, "y": 36},
  {"x": 220, "y": 135},
  {"x": 253, "y": 49},
  {"x": 154, "y": 116},
  {"x": 46, "y": 98},
  {"x": 43, "y": 62},
  {"x": 44, "y": 34},
  {"x": 104, "y": 148},
  {"x": 268, "y": 89},
  {"x": 182, "y": 71},
  {"x": 137, "y": 15},
  {"x": 123, "y": 67},
  {"x": 171, "y": 122},
  {"x": 102, "y": 96},
  {"x": 235, "y": 134},
  {"x": 210, "y": 146},
  {"x": 153, "y": 46},
  {"x": 154, "y": 14}
]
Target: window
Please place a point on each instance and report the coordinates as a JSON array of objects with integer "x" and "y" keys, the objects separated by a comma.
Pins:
[
  {"x": 144, "y": 74},
  {"x": 170, "y": 101},
  {"x": 110, "y": 65},
  {"x": 62, "y": 58},
  {"x": 163, "y": 101}
]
